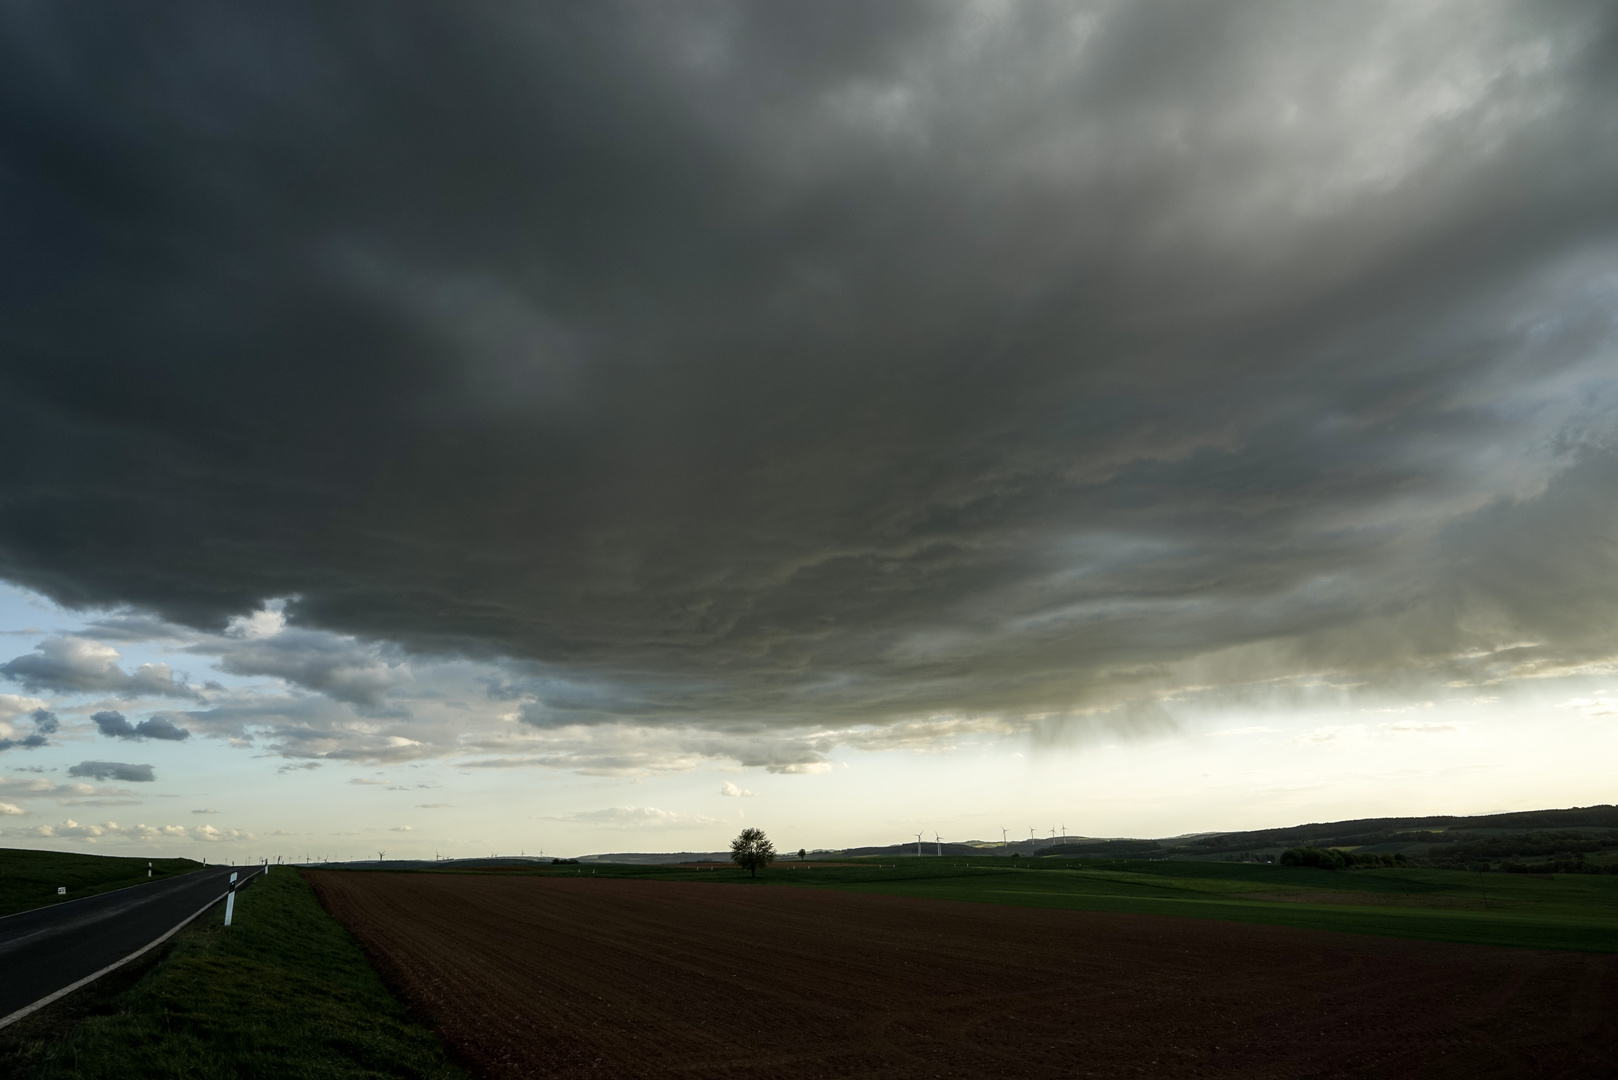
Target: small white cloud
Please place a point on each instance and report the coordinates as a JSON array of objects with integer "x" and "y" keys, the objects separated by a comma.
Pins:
[
  {"x": 13, "y": 706},
  {"x": 1411, "y": 727},
  {"x": 264, "y": 623},
  {"x": 632, "y": 817},
  {"x": 11, "y": 810},
  {"x": 68, "y": 829},
  {"x": 1331, "y": 735},
  {"x": 142, "y": 833},
  {"x": 368, "y": 780},
  {"x": 732, "y": 789},
  {"x": 1592, "y": 706},
  {"x": 802, "y": 767},
  {"x": 401, "y": 828}
]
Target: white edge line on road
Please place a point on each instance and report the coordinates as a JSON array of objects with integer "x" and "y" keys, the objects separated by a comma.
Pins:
[{"x": 115, "y": 965}]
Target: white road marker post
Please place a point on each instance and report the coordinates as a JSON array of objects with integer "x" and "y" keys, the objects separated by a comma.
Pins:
[{"x": 230, "y": 900}]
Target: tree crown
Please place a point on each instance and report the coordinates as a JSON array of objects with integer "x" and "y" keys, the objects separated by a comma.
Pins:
[{"x": 751, "y": 850}]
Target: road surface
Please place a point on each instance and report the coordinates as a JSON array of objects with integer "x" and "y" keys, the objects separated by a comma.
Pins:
[{"x": 49, "y": 949}]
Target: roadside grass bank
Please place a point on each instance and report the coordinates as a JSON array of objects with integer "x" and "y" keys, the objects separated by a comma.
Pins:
[
  {"x": 1564, "y": 911},
  {"x": 29, "y": 879},
  {"x": 283, "y": 992},
  {"x": 26, "y": 1044}
]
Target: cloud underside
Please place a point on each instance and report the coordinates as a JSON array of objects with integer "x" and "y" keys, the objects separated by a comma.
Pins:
[
  {"x": 113, "y": 770},
  {"x": 758, "y": 372},
  {"x": 115, "y": 725},
  {"x": 74, "y": 664},
  {"x": 45, "y": 723}
]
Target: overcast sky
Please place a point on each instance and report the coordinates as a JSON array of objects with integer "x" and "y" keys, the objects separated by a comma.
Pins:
[{"x": 626, "y": 420}]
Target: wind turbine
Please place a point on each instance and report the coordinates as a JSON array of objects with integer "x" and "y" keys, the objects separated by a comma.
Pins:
[
  {"x": 937, "y": 840},
  {"x": 918, "y": 845},
  {"x": 379, "y": 855},
  {"x": 1064, "y": 834},
  {"x": 1002, "y": 837}
]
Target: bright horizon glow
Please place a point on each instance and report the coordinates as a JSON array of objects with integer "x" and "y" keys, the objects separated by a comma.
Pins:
[{"x": 1532, "y": 744}]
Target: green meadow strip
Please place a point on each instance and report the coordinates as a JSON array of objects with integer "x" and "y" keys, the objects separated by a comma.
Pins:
[
  {"x": 1564, "y": 911},
  {"x": 1471, "y": 927},
  {"x": 284, "y": 992}
]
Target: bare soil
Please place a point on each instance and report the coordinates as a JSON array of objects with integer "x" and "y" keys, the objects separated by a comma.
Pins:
[{"x": 536, "y": 977}]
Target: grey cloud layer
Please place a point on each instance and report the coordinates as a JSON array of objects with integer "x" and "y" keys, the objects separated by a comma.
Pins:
[
  {"x": 116, "y": 725},
  {"x": 113, "y": 770},
  {"x": 75, "y": 664},
  {"x": 755, "y": 366},
  {"x": 340, "y": 668},
  {"x": 45, "y": 725}
]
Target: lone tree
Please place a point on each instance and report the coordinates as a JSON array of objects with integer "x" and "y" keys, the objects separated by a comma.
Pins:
[{"x": 752, "y": 849}]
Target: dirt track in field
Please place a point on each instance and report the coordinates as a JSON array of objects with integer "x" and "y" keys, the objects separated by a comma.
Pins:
[{"x": 527, "y": 977}]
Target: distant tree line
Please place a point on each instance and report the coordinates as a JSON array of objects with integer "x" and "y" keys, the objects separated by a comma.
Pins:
[
  {"x": 1572, "y": 862},
  {"x": 1475, "y": 856},
  {"x": 1216, "y": 845},
  {"x": 1560, "y": 844},
  {"x": 1338, "y": 859},
  {"x": 1561, "y": 853}
]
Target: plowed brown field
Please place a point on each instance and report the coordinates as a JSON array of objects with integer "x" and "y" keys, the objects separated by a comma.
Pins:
[{"x": 525, "y": 977}]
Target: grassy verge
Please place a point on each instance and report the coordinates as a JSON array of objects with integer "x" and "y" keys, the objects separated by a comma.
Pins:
[
  {"x": 29, "y": 879},
  {"x": 1565, "y": 911},
  {"x": 284, "y": 992}
]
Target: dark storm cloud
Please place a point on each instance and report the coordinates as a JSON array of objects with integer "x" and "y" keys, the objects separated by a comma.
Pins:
[
  {"x": 742, "y": 365},
  {"x": 115, "y": 725},
  {"x": 113, "y": 770}
]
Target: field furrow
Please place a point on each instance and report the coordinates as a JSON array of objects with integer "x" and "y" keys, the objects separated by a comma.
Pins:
[{"x": 527, "y": 977}]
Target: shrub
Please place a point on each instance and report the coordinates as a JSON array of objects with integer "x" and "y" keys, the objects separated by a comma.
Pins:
[{"x": 1319, "y": 858}]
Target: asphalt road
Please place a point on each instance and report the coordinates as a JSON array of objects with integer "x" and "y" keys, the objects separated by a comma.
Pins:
[{"x": 44, "y": 950}]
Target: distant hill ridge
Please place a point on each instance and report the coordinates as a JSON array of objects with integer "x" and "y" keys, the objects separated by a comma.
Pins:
[{"x": 1354, "y": 832}]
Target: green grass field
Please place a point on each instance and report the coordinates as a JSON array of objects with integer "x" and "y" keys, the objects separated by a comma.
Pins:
[
  {"x": 1563, "y": 911},
  {"x": 29, "y": 879},
  {"x": 284, "y": 992}
]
